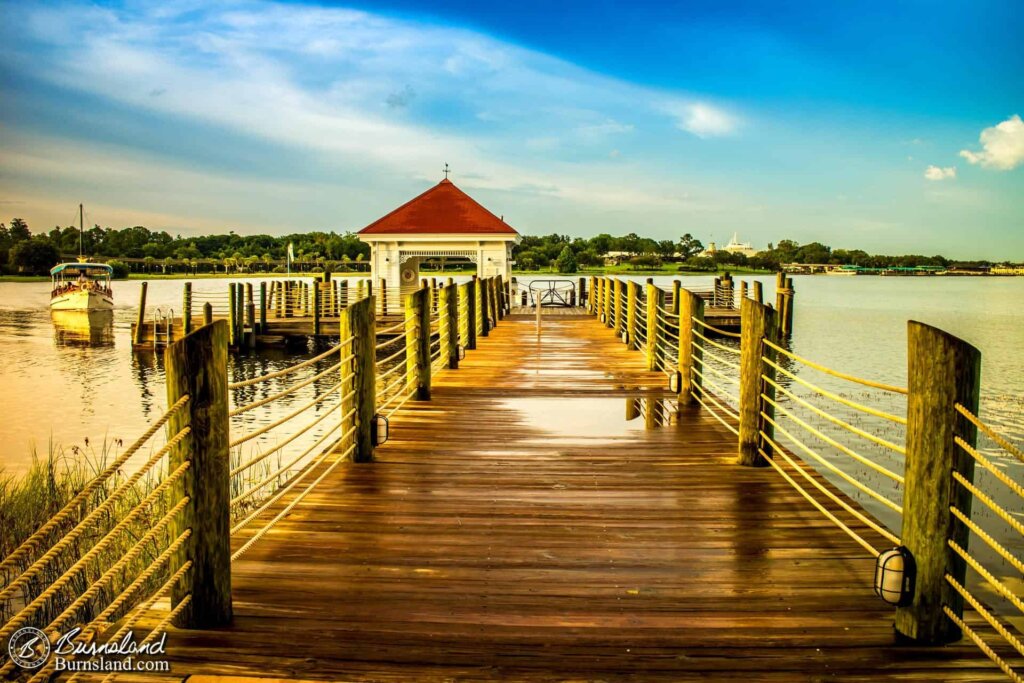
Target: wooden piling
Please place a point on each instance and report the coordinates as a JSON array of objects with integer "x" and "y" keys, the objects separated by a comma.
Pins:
[
  {"x": 263, "y": 307},
  {"x": 629, "y": 330},
  {"x": 757, "y": 322},
  {"x": 942, "y": 371},
  {"x": 363, "y": 330},
  {"x": 451, "y": 304},
  {"x": 232, "y": 315},
  {"x": 343, "y": 292},
  {"x": 417, "y": 341},
  {"x": 250, "y": 321},
  {"x": 140, "y": 323},
  {"x": 743, "y": 290},
  {"x": 239, "y": 313},
  {"x": 676, "y": 286},
  {"x": 591, "y": 301},
  {"x": 618, "y": 296},
  {"x": 349, "y": 407},
  {"x": 207, "y": 313},
  {"x": 758, "y": 295},
  {"x": 471, "y": 314},
  {"x": 316, "y": 309},
  {"x": 690, "y": 306},
  {"x": 655, "y": 299},
  {"x": 196, "y": 366},
  {"x": 780, "y": 284},
  {"x": 383, "y": 296},
  {"x": 482, "y": 306},
  {"x": 606, "y": 300},
  {"x": 186, "y": 309}
]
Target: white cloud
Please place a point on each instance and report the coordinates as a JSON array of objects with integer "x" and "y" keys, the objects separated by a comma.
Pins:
[
  {"x": 702, "y": 119},
  {"x": 937, "y": 173},
  {"x": 1002, "y": 146},
  {"x": 391, "y": 97}
]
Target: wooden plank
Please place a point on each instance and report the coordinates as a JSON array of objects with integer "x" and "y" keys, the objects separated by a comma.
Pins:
[{"x": 517, "y": 526}]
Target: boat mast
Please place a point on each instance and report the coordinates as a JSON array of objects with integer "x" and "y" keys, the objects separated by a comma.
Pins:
[{"x": 81, "y": 228}]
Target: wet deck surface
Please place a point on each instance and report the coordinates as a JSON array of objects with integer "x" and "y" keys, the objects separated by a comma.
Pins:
[{"x": 518, "y": 527}]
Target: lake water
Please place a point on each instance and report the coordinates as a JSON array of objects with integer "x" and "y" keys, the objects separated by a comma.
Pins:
[{"x": 64, "y": 382}]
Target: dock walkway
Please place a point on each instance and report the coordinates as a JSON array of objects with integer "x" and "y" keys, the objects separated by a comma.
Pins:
[{"x": 518, "y": 527}]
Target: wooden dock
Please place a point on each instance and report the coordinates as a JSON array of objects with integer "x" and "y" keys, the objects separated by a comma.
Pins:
[{"x": 518, "y": 527}]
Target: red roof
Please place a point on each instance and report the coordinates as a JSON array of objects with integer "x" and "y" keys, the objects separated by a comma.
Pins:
[{"x": 442, "y": 210}]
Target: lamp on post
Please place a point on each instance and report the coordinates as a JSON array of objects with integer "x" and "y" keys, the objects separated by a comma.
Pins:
[
  {"x": 894, "y": 576},
  {"x": 380, "y": 430}
]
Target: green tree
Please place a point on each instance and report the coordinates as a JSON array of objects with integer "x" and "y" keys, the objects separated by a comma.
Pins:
[
  {"x": 566, "y": 261},
  {"x": 689, "y": 246},
  {"x": 34, "y": 256}
]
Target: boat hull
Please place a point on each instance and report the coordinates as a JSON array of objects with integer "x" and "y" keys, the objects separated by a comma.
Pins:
[{"x": 82, "y": 300}]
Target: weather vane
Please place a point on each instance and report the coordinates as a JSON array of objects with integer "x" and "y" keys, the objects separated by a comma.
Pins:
[{"x": 446, "y": 170}]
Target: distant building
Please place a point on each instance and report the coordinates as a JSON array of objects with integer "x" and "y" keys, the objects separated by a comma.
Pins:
[{"x": 734, "y": 247}]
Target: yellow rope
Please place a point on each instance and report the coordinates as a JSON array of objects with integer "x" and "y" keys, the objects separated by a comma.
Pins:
[
  {"x": 711, "y": 397},
  {"x": 714, "y": 329},
  {"x": 814, "y": 454},
  {"x": 292, "y": 368},
  {"x": 100, "y": 621},
  {"x": 988, "y": 616},
  {"x": 719, "y": 390},
  {"x": 71, "y": 508},
  {"x": 992, "y": 434},
  {"x": 835, "y": 397},
  {"x": 714, "y": 343},
  {"x": 836, "y": 421},
  {"x": 989, "y": 503},
  {"x": 288, "y": 508},
  {"x": 277, "y": 423},
  {"x": 290, "y": 390},
  {"x": 273, "y": 476},
  {"x": 821, "y": 508},
  {"x": 713, "y": 369},
  {"x": 991, "y": 542},
  {"x": 111, "y": 573},
  {"x": 850, "y": 452},
  {"x": 714, "y": 414},
  {"x": 74, "y": 570},
  {"x": 982, "y": 645},
  {"x": 68, "y": 538},
  {"x": 396, "y": 354},
  {"x": 998, "y": 585},
  {"x": 878, "y": 528},
  {"x": 996, "y": 472},
  {"x": 291, "y": 437},
  {"x": 836, "y": 373},
  {"x": 713, "y": 355}
]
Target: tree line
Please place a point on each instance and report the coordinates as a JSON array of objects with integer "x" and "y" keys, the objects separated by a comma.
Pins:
[
  {"x": 21, "y": 251},
  {"x": 155, "y": 251},
  {"x": 688, "y": 253}
]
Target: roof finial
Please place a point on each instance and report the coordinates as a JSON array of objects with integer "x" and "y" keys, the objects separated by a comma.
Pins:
[{"x": 446, "y": 170}]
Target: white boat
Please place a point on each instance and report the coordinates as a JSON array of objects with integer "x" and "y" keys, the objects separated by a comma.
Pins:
[{"x": 81, "y": 286}]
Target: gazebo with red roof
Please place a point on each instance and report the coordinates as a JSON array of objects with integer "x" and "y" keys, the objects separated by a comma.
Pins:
[{"x": 443, "y": 222}]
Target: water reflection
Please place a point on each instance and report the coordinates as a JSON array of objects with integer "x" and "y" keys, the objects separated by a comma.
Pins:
[{"x": 83, "y": 328}]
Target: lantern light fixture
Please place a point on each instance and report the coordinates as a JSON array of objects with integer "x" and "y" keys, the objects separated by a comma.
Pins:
[
  {"x": 381, "y": 430},
  {"x": 895, "y": 572},
  {"x": 462, "y": 351},
  {"x": 625, "y": 337},
  {"x": 675, "y": 382}
]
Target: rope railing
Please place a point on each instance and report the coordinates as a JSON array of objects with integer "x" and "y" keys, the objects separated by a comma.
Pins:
[
  {"x": 73, "y": 507},
  {"x": 715, "y": 330},
  {"x": 84, "y": 562},
  {"x": 835, "y": 373}
]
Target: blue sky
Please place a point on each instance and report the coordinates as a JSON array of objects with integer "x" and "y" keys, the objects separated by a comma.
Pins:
[{"x": 894, "y": 129}]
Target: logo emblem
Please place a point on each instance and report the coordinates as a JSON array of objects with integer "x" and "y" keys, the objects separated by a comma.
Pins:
[{"x": 29, "y": 648}]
